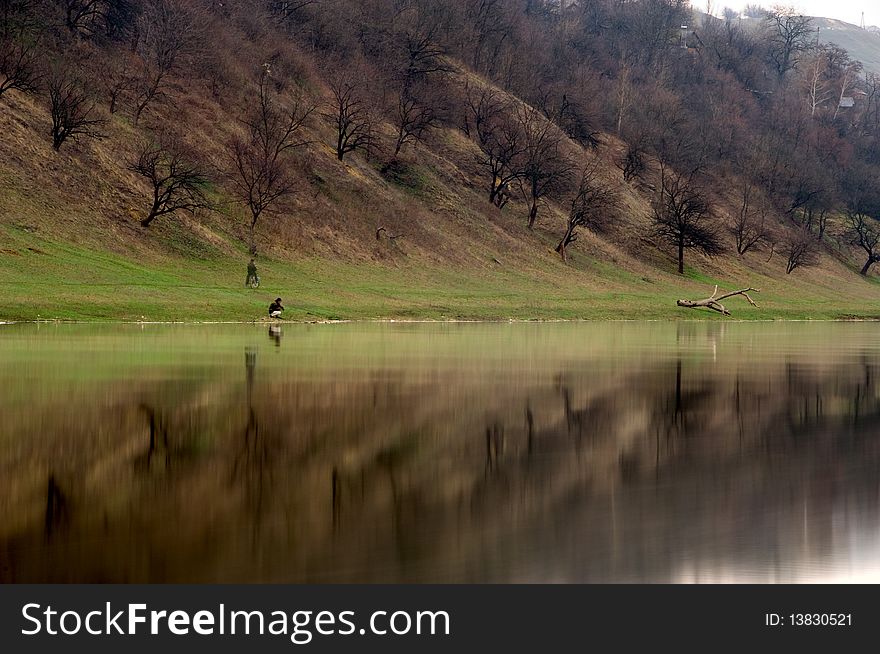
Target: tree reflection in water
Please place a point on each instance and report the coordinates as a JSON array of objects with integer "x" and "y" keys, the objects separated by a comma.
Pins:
[{"x": 384, "y": 453}]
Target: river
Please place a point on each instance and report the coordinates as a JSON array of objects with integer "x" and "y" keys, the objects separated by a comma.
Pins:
[{"x": 422, "y": 452}]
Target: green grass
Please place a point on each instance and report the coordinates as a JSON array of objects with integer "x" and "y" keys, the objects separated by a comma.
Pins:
[{"x": 43, "y": 279}]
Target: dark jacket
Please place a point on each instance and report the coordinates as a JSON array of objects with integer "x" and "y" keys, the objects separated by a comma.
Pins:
[{"x": 275, "y": 306}]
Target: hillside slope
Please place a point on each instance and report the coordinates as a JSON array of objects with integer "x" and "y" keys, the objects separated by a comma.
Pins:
[
  {"x": 862, "y": 44},
  {"x": 71, "y": 246}
]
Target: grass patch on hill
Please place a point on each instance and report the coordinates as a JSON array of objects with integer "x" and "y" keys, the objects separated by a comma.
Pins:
[{"x": 43, "y": 279}]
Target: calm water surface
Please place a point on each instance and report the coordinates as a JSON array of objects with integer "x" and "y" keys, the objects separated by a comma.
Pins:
[{"x": 595, "y": 452}]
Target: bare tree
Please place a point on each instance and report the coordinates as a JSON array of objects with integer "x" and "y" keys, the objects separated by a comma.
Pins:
[
  {"x": 847, "y": 78},
  {"x": 19, "y": 70},
  {"x": 544, "y": 169},
  {"x": 801, "y": 250},
  {"x": 116, "y": 81},
  {"x": 260, "y": 176},
  {"x": 168, "y": 32},
  {"x": 72, "y": 109},
  {"x": 862, "y": 211},
  {"x": 351, "y": 118},
  {"x": 754, "y": 11},
  {"x": 423, "y": 53},
  {"x": 286, "y": 9},
  {"x": 19, "y": 45},
  {"x": 653, "y": 26},
  {"x": 502, "y": 151},
  {"x": 593, "y": 207},
  {"x": 750, "y": 227},
  {"x": 84, "y": 16},
  {"x": 19, "y": 16},
  {"x": 623, "y": 94},
  {"x": 491, "y": 25},
  {"x": 870, "y": 118},
  {"x": 413, "y": 118},
  {"x": 574, "y": 116},
  {"x": 682, "y": 217},
  {"x": 500, "y": 138},
  {"x": 788, "y": 37},
  {"x": 176, "y": 183},
  {"x": 483, "y": 105},
  {"x": 815, "y": 79},
  {"x": 633, "y": 164},
  {"x": 865, "y": 233}
]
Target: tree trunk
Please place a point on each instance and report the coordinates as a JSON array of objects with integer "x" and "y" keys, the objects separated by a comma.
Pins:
[
  {"x": 150, "y": 218},
  {"x": 561, "y": 249},
  {"x": 253, "y": 236},
  {"x": 533, "y": 214},
  {"x": 57, "y": 138},
  {"x": 138, "y": 110},
  {"x": 680, "y": 257},
  {"x": 867, "y": 266},
  {"x": 568, "y": 238}
]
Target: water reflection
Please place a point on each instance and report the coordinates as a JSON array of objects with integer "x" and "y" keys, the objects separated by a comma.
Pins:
[
  {"x": 562, "y": 452},
  {"x": 275, "y": 334}
]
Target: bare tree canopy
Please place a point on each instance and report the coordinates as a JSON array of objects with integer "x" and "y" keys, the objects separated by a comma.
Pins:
[
  {"x": 413, "y": 118},
  {"x": 118, "y": 80},
  {"x": 260, "y": 175},
  {"x": 351, "y": 117},
  {"x": 594, "y": 206},
  {"x": 491, "y": 121},
  {"x": 176, "y": 183},
  {"x": 19, "y": 46},
  {"x": 418, "y": 45},
  {"x": 72, "y": 110},
  {"x": 789, "y": 33},
  {"x": 682, "y": 217},
  {"x": 632, "y": 165},
  {"x": 19, "y": 68},
  {"x": 84, "y": 16},
  {"x": 168, "y": 32},
  {"x": 864, "y": 231},
  {"x": 750, "y": 225},
  {"x": 543, "y": 169},
  {"x": 862, "y": 199},
  {"x": 801, "y": 250}
]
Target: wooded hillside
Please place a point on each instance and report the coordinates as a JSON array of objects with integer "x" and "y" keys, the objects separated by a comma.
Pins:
[{"x": 588, "y": 147}]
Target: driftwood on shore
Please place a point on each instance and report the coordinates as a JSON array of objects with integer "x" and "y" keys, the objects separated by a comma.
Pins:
[
  {"x": 714, "y": 301},
  {"x": 391, "y": 237}
]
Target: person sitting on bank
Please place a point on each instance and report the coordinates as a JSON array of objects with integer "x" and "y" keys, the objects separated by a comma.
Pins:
[{"x": 275, "y": 308}]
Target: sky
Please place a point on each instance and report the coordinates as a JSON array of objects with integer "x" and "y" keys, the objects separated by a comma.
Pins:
[{"x": 848, "y": 10}]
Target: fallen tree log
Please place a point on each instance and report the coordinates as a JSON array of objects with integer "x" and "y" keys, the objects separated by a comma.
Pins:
[
  {"x": 392, "y": 237},
  {"x": 714, "y": 301}
]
